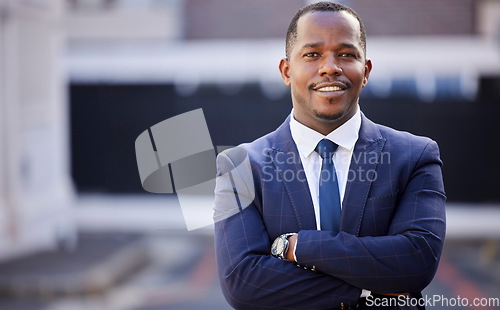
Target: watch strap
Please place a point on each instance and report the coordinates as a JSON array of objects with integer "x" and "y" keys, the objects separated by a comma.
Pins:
[{"x": 284, "y": 238}]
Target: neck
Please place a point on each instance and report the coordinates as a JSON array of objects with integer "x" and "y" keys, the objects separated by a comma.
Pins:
[{"x": 325, "y": 125}]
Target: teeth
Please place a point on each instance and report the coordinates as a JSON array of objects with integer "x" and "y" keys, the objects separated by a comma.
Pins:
[{"x": 330, "y": 88}]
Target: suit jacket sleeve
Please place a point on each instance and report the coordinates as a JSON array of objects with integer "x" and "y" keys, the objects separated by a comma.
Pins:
[
  {"x": 405, "y": 258},
  {"x": 250, "y": 277}
]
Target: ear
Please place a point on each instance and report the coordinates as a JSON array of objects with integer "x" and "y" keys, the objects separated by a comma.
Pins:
[
  {"x": 285, "y": 71},
  {"x": 368, "y": 69}
]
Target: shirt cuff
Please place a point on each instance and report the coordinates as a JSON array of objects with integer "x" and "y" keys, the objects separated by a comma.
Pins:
[{"x": 295, "y": 249}]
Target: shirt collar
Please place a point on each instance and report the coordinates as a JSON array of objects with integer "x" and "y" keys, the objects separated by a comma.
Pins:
[{"x": 345, "y": 136}]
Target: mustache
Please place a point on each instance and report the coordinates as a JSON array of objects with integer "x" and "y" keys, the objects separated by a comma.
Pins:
[{"x": 327, "y": 80}]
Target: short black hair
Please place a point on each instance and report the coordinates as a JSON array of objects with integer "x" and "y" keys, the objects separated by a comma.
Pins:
[{"x": 291, "y": 34}]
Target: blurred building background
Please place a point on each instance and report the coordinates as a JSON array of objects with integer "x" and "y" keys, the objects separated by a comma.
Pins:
[{"x": 81, "y": 79}]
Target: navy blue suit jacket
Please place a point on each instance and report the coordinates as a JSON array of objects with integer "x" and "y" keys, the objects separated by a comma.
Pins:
[{"x": 391, "y": 232}]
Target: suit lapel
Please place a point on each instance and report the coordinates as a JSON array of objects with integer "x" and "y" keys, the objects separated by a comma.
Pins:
[
  {"x": 286, "y": 160},
  {"x": 364, "y": 162}
]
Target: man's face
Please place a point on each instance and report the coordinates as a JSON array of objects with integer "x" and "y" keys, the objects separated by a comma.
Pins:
[{"x": 326, "y": 70}]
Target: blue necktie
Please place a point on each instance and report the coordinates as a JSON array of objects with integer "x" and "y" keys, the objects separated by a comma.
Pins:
[{"x": 329, "y": 196}]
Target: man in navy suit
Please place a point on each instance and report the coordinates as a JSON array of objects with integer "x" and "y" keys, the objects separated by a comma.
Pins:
[{"x": 277, "y": 245}]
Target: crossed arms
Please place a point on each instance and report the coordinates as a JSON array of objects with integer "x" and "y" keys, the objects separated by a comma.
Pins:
[{"x": 402, "y": 259}]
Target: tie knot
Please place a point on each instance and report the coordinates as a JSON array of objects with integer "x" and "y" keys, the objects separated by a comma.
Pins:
[{"x": 326, "y": 148}]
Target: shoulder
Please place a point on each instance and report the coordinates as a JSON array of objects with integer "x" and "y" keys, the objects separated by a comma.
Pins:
[
  {"x": 245, "y": 157},
  {"x": 403, "y": 142},
  {"x": 402, "y": 137},
  {"x": 371, "y": 132},
  {"x": 259, "y": 149}
]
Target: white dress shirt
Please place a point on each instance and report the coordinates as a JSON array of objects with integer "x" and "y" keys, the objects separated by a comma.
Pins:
[{"x": 306, "y": 140}]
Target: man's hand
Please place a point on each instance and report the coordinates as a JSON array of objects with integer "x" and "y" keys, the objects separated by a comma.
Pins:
[{"x": 292, "y": 240}]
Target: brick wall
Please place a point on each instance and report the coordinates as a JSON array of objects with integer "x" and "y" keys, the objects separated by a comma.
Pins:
[
  {"x": 417, "y": 17},
  {"x": 238, "y": 19},
  {"x": 250, "y": 19}
]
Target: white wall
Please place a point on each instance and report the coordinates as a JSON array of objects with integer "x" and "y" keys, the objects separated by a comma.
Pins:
[{"x": 36, "y": 195}]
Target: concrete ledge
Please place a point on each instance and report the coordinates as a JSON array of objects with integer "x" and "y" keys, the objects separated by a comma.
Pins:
[
  {"x": 472, "y": 221},
  {"x": 148, "y": 212},
  {"x": 98, "y": 263}
]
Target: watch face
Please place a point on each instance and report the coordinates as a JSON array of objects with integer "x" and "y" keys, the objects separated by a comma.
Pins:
[{"x": 277, "y": 247}]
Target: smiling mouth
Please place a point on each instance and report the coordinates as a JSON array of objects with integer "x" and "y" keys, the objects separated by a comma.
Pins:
[{"x": 329, "y": 88}]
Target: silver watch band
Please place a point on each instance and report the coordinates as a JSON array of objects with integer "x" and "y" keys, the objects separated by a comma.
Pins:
[{"x": 284, "y": 239}]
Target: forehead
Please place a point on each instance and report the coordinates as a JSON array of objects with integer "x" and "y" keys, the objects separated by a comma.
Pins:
[{"x": 328, "y": 26}]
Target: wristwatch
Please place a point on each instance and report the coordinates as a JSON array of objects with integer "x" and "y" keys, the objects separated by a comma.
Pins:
[{"x": 280, "y": 245}]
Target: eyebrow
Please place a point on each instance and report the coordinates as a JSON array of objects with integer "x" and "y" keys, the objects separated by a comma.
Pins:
[
  {"x": 317, "y": 44},
  {"x": 312, "y": 45}
]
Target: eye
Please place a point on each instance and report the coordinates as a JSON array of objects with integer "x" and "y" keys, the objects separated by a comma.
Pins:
[
  {"x": 347, "y": 55},
  {"x": 311, "y": 55}
]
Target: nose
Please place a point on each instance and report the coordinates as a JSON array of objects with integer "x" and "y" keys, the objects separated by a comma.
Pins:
[{"x": 330, "y": 66}]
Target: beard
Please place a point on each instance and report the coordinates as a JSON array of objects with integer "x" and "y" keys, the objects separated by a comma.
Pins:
[
  {"x": 319, "y": 114},
  {"x": 328, "y": 117}
]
